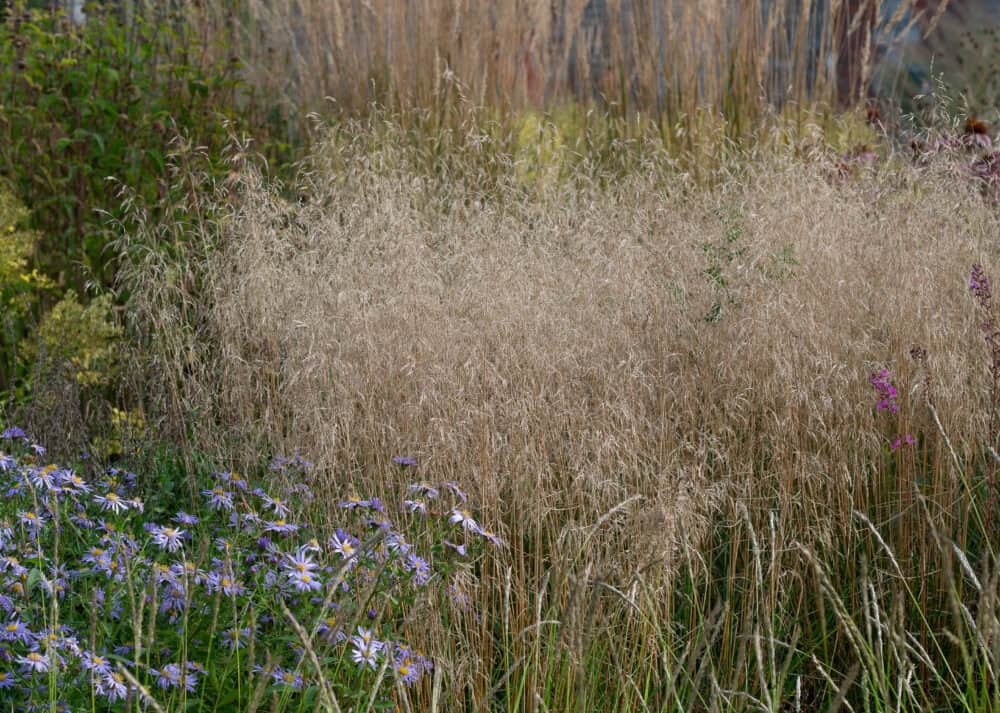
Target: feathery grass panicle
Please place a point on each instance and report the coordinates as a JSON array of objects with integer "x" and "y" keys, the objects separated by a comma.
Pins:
[{"x": 617, "y": 369}]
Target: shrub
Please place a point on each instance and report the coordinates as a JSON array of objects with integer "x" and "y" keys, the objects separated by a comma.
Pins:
[
  {"x": 77, "y": 340},
  {"x": 20, "y": 283},
  {"x": 80, "y": 104}
]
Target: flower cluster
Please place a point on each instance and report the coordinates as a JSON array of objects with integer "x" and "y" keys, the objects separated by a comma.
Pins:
[
  {"x": 887, "y": 395},
  {"x": 101, "y": 589}
]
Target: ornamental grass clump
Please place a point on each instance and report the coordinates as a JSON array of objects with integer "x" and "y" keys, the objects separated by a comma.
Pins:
[{"x": 111, "y": 600}]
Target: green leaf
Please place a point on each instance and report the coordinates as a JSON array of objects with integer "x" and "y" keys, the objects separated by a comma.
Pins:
[{"x": 34, "y": 579}]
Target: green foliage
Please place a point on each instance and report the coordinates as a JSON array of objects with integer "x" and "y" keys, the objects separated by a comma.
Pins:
[
  {"x": 720, "y": 254},
  {"x": 80, "y": 104}
]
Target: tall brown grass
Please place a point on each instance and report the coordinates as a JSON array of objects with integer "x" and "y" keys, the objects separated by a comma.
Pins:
[
  {"x": 666, "y": 58},
  {"x": 659, "y": 393}
]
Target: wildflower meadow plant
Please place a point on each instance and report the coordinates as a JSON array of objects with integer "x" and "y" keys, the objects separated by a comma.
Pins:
[
  {"x": 104, "y": 602},
  {"x": 887, "y": 400},
  {"x": 979, "y": 285}
]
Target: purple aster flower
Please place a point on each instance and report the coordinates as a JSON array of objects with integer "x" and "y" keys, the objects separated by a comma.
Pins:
[
  {"x": 407, "y": 670},
  {"x": 34, "y": 662},
  {"x": 404, "y": 461},
  {"x": 98, "y": 664},
  {"x": 345, "y": 545},
  {"x": 16, "y": 630},
  {"x": 456, "y": 491},
  {"x": 277, "y": 505},
  {"x": 365, "y": 648},
  {"x": 30, "y": 520},
  {"x": 491, "y": 538},
  {"x": 7, "y": 679},
  {"x": 420, "y": 569},
  {"x": 330, "y": 628},
  {"x": 415, "y": 506},
  {"x": 75, "y": 482},
  {"x": 57, "y": 584},
  {"x": 227, "y": 584},
  {"x": 465, "y": 519},
  {"x": 299, "y": 563},
  {"x": 173, "y": 676},
  {"x": 234, "y": 479},
  {"x": 14, "y": 432},
  {"x": 112, "y": 687},
  {"x": 11, "y": 564},
  {"x": 219, "y": 498},
  {"x": 304, "y": 581},
  {"x": 168, "y": 538},
  {"x": 425, "y": 489},
  {"x": 182, "y": 518},
  {"x": 47, "y": 478},
  {"x": 173, "y": 599},
  {"x": 397, "y": 543},
  {"x": 112, "y": 501},
  {"x": 287, "y": 678},
  {"x": 188, "y": 570},
  {"x": 460, "y": 549},
  {"x": 352, "y": 503},
  {"x": 94, "y": 554},
  {"x": 166, "y": 678},
  {"x": 109, "y": 564},
  {"x": 459, "y": 597},
  {"x": 236, "y": 638},
  {"x": 281, "y": 526}
]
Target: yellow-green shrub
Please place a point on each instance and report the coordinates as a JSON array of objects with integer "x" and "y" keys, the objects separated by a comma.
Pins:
[
  {"x": 19, "y": 283},
  {"x": 77, "y": 340}
]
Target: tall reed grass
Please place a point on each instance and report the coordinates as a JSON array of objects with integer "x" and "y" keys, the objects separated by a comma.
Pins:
[{"x": 667, "y": 59}]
